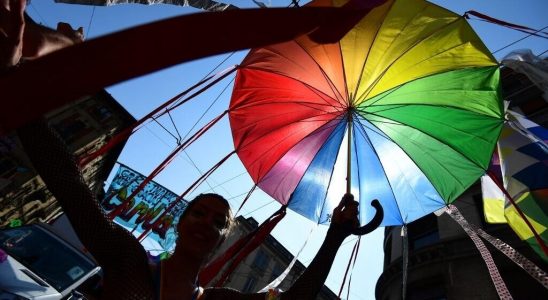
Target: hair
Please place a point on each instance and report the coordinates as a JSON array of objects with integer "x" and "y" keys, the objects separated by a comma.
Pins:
[{"x": 229, "y": 222}]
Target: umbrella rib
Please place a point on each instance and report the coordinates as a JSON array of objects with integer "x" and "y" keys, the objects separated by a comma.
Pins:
[
  {"x": 279, "y": 184},
  {"x": 443, "y": 167},
  {"x": 374, "y": 41},
  {"x": 311, "y": 88},
  {"x": 327, "y": 78},
  {"x": 392, "y": 90},
  {"x": 293, "y": 102},
  {"x": 332, "y": 86},
  {"x": 309, "y": 103},
  {"x": 294, "y": 63},
  {"x": 358, "y": 83},
  {"x": 449, "y": 107},
  {"x": 305, "y": 104},
  {"x": 377, "y": 80},
  {"x": 345, "y": 82},
  {"x": 366, "y": 137},
  {"x": 434, "y": 138},
  {"x": 272, "y": 148},
  {"x": 253, "y": 124},
  {"x": 320, "y": 93},
  {"x": 296, "y": 161},
  {"x": 393, "y": 106},
  {"x": 418, "y": 62},
  {"x": 331, "y": 136},
  {"x": 404, "y": 220},
  {"x": 390, "y": 184}
]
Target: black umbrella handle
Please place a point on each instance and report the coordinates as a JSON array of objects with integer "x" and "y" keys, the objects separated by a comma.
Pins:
[{"x": 377, "y": 219}]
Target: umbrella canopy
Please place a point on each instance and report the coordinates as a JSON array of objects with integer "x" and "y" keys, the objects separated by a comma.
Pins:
[{"x": 419, "y": 90}]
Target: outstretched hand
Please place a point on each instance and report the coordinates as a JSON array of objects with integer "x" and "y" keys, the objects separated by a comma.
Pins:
[
  {"x": 21, "y": 38},
  {"x": 345, "y": 215}
]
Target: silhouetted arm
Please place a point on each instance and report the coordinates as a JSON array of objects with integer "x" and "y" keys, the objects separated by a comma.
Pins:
[
  {"x": 309, "y": 284},
  {"x": 124, "y": 261}
]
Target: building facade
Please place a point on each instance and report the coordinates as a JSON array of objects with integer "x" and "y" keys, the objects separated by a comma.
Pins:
[
  {"x": 85, "y": 125},
  {"x": 443, "y": 262}
]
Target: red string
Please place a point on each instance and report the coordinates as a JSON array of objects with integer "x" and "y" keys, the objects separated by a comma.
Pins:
[
  {"x": 354, "y": 252},
  {"x": 245, "y": 199},
  {"x": 353, "y": 265},
  {"x": 180, "y": 197},
  {"x": 122, "y": 136},
  {"x": 164, "y": 164},
  {"x": 501, "y": 187},
  {"x": 504, "y": 23},
  {"x": 212, "y": 269},
  {"x": 257, "y": 239}
]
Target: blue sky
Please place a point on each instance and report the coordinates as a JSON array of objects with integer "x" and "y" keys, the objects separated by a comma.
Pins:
[{"x": 148, "y": 147}]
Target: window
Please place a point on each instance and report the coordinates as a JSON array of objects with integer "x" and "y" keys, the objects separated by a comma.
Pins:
[
  {"x": 72, "y": 128},
  {"x": 261, "y": 260},
  {"x": 425, "y": 239},
  {"x": 8, "y": 167},
  {"x": 276, "y": 271},
  {"x": 99, "y": 112},
  {"x": 249, "y": 284},
  {"x": 423, "y": 232}
]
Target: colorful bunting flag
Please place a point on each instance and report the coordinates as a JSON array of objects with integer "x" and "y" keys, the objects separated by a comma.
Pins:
[{"x": 523, "y": 157}]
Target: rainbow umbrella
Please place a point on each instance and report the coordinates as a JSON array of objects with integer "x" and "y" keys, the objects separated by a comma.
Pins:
[{"x": 406, "y": 106}]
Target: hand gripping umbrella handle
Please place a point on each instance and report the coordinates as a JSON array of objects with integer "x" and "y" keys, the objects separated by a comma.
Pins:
[{"x": 377, "y": 219}]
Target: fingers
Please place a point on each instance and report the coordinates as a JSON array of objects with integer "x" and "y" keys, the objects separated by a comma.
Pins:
[
  {"x": 350, "y": 211},
  {"x": 18, "y": 18},
  {"x": 76, "y": 36},
  {"x": 348, "y": 197},
  {"x": 13, "y": 19},
  {"x": 345, "y": 199},
  {"x": 347, "y": 202},
  {"x": 346, "y": 211},
  {"x": 19, "y": 6}
]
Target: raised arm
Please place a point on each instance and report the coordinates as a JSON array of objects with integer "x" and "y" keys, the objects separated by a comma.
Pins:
[
  {"x": 308, "y": 285},
  {"x": 122, "y": 258}
]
